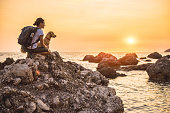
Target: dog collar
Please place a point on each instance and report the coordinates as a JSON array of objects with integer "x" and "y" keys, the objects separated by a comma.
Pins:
[{"x": 47, "y": 38}]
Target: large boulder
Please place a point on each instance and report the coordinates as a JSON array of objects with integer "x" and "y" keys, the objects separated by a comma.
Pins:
[
  {"x": 129, "y": 59},
  {"x": 168, "y": 50},
  {"x": 8, "y": 61},
  {"x": 155, "y": 55},
  {"x": 160, "y": 70},
  {"x": 47, "y": 84}
]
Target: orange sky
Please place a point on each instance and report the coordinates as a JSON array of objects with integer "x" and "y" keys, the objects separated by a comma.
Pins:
[{"x": 90, "y": 25}]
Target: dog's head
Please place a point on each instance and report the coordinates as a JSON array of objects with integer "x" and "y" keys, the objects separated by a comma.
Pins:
[{"x": 52, "y": 34}]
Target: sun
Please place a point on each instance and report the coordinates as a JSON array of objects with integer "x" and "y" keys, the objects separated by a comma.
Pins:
[{"x": 130, "y": 40}]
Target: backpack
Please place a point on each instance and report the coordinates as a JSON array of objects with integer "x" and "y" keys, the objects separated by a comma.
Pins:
[{"x": 26, "y": 36}]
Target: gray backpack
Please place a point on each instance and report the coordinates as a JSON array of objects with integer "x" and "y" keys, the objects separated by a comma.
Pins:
[{"x": 26, "y": 36}]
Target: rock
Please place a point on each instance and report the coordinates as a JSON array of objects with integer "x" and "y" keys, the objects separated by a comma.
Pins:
[
  {"x": 109, "y": 72},
  {"x": 56, "y": 100},
  {"x": 168, "y": 56},
  {"x": 148, "y": 60},
  {"x": 8, "y": 61},
  {"x": 108, "y": 62},
  {"x": 168, "y": 50},
  {"x": 129, "y": 59},
  {"x": 61, "y": 87},
  {"x": 99, "y": 57},
  {"x": 160, "y": 70},
  {"x": 7, "y": 103},
  {"x": 136, "y": 67},
  {"x": 42, "y": 105},
  {"x": 142, "y": 57},
  {"x": 155, "y": 55},
  {"x": 32, "y": 107},
  {"x": 17, "y": 81},
  {"x": 89, "y": 58},
  {"x": 23, "y": 71}
]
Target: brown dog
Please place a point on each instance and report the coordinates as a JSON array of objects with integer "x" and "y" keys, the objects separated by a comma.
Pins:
[{"x": 47, "y": 39}]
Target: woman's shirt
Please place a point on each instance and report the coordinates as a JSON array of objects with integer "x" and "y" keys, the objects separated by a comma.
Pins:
[{"x": 35, "y": 38}]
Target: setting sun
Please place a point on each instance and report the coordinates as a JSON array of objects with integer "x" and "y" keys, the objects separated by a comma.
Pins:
[{"x": 131, "y": 40}]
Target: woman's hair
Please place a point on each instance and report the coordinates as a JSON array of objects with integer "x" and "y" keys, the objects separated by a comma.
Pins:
[{"x": 38, "y": 21}]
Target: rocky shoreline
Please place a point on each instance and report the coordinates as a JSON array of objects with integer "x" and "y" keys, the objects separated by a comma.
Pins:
[
  {"x": 108, "y": 65},
  {"x": 47, "y": 84}
]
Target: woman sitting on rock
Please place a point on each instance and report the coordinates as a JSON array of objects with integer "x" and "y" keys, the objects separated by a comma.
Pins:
[{"x": 38, "y": 35}]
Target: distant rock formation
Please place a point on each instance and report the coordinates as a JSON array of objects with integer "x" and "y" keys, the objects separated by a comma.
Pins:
[
  {"x": 47, "y": 84},
  {"x": 155, "y": 55},
  {"x": 160, "y": 70},
  {"x": 99, "y": 57},
  {"x": 168, "y": 50}
]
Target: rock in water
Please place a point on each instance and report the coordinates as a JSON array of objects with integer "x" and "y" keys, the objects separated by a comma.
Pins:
[
  {"x": 168, "y": 50},
  {"x": 160, "y": 71},
  {"x": 155, "y": 55},
  {"x": 60, "y": 87},
  {"x": 129, "y": 59}
]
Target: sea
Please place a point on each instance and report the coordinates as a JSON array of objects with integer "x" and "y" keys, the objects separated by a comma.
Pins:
[{"x": 139, "y": 95}]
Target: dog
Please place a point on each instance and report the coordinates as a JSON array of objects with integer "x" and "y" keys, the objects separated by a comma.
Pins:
[{"x": 46, "y": 40}]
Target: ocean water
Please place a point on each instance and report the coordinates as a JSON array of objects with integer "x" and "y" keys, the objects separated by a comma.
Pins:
[{"x": 138, "y": 94}]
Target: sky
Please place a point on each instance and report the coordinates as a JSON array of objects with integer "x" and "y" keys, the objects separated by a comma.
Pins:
[{"x": 90, "y": 25}]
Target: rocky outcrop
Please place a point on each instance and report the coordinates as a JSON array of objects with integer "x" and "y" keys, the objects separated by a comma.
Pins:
[
  {"x": 155, "y": 55},
  {"x": 8, "y": 61},
  {"x": 136, "y": 67},
  {"x": 99, "y": 57},
  {"x": 48, "y": 84},
  {"x": 129, "y": 59},
  {"x": 168, "y": 50},
  {"x": 160, "y": 70}
]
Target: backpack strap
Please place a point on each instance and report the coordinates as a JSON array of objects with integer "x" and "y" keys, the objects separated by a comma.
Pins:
[{"x": 38, "y": 37}]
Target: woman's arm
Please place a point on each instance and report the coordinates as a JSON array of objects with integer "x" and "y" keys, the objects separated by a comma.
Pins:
[{"x": 42, "y": 41}]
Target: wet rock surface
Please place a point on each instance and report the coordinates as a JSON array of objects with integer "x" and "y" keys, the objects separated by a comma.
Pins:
[
  {"x": 160, "y": 70},
  {"x": 155, "y": 55},
  {"x": 48, "y": 84}
]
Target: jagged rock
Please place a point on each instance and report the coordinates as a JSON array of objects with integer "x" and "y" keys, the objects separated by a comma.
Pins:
[
  {"x": 136, "y": 67},
  {"x": 160, "y": 70},
  {"x": 168, "y": 50},
  {"x": 8, "y": 61},
  {"x": 155, "y": 55},
  {"x": 67, "y": 87},
  {"x": 129, "y": 59}
]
